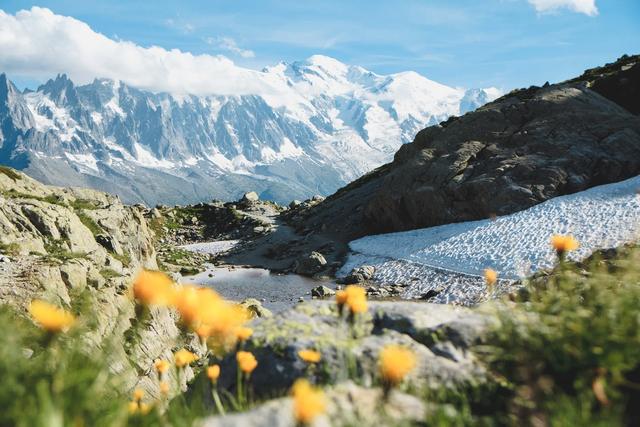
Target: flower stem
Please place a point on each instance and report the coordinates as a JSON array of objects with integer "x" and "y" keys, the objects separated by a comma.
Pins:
[
  {"x": 239, "y": 388},
  {"x": 216, "y": 399}
]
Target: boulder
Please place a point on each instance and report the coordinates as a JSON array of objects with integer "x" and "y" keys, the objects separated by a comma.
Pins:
[
  {"x": 251, "y": 196},
  {"x": 360, "y": 274},
  {"x": 310, "y": 264},
  {"x": 445, "y": 362},
  {"x": 348, "y": 404},
  {"x": 322, "y": 292},
  {"x": 255, "y": 308}
]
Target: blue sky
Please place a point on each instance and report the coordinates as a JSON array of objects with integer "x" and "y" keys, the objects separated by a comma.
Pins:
[{"x": 479, "y": 43}]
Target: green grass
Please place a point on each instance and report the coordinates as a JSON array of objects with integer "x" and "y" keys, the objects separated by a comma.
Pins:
[
  {"x": 108, "y": 273},
  {"x": 57, "y": 253},
  {"x": 12, "y": 249},
  {"x": 89, "y": 223},
  {"x": 79, "y": 204},
  {"x": 50, "y": 198},
  {"x": 125, "y": 258}
]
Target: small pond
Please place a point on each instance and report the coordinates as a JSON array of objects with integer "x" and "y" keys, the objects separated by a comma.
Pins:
[{"x": 277, "y": 292}]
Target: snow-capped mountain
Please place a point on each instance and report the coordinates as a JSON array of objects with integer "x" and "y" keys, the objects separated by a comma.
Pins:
[{"x": 312, "y": 127}]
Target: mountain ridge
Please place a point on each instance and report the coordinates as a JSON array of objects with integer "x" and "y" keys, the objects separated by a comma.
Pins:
[{"x": 334, "y": 123}]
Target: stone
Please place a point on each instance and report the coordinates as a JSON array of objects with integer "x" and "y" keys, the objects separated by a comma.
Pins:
[
  {"x": 251, "y": 196},
  {"x": 446, "y": 362},
  {"x": 294, "y": 204},
  {"x": 310, "y": 264},
  {"x": 322, "y": 292},
  {"x": 256, "y": 308},
  {"x": 431, "y": 293},
  {"x": 360, "y": 274},
  {"x": 347, "y": 404}
]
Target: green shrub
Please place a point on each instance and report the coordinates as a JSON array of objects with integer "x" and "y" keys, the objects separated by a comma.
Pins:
[{"x": 569, "y": 349}]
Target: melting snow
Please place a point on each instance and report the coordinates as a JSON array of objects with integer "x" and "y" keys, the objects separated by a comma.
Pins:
[
  {"x": 453, "y": 256},
  {"x": 211, "y": 247}
]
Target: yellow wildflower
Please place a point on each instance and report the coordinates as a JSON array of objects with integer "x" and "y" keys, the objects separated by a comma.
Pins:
[
  {"x": 246, "y": 361},
  {"x": 213, "y": 372},
  {"x": 138, "y": 394},
  {"x": 132, "y": 407},
  {"x": 153, "y": 288},
  {"x": 358, "y": 306},
  {"x": 395, "y": 363},
  {"x": 145, "y": 408},
  {"x": 341, "y": 297},
  {"x": 490, "y": 276},
  {"x": 49, "y": 317},
  {"x": 184, "y": 357},
  {"x": 309, "y": 356},
  {"x": 206, "y": 313},
  {"x": 161, "y": 366},
  {"x": 308, "y": 402},
  {"x": 243, "y": 333},
  {"x": 564, "y": 243},
  {"x": 356, "y": 299}
]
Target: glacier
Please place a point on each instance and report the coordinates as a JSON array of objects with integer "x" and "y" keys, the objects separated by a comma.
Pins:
[{"x": 451, "y": 258}]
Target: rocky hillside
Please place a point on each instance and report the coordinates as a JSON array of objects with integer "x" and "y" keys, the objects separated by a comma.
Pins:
[
  {"x": 524, "y": 148},
  {"x": 75, "y": 246}
]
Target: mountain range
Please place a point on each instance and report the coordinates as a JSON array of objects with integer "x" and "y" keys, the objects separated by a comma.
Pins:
[{"x": 318, "y": 125}]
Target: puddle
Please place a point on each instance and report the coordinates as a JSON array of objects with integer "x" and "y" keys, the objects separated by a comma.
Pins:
[{"x": 277, "y": 292}]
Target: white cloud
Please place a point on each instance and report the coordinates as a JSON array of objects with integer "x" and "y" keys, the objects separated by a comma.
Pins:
[
  {"x": 37, "y": 43},
  {"x": 588, "y": 7},
  {"x": 228, "y": 44}
]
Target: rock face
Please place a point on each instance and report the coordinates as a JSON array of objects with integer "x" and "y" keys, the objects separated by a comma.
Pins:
[
  {"x": 347, "y": 405},
  {"x": 62, "y": 243},
  {"x": 522, "y": 149},
  {"x": 439, "y": 335}
]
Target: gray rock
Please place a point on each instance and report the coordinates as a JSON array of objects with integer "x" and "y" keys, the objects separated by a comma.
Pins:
[
  {"x": 347, "y": 405},
  {"x": 277, "y": 340},
  {"x": 256, "y": 308},
  {"x": 360, "y": 274},
  {"x": 310, "y": 264},
  {"x": 322, "y": 292},
  {"x": 251, "y": 196},
  {"x": 295, "y": 203}
]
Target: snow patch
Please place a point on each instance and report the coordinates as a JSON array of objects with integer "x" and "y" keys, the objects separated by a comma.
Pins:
[{"x": 454, "y": 256}]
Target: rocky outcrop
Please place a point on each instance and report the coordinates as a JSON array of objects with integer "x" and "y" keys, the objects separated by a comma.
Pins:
[
  {"x": 522, "y": 149},
  {"x": 441, "y": 337},
  {"x": 69, "y": 245}
]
